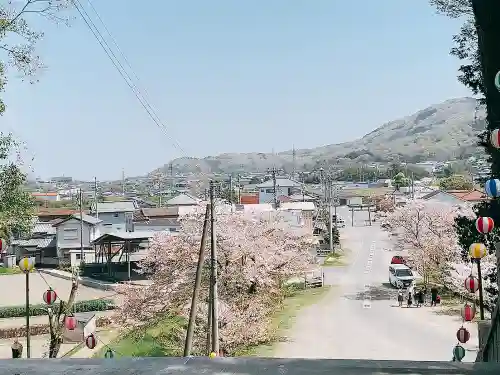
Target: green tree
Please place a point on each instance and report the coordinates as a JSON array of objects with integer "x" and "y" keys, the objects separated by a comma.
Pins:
[
  {"x": 400, "y": 180},
  {"x": 466, "y": 49},
  {"x": 455, "y": 183},
  {"x": 255, "y": 180},
  {"x": 17, "y": 206}
]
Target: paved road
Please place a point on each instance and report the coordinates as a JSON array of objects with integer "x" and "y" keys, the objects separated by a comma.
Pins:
[{"x": 359, "y": 318}]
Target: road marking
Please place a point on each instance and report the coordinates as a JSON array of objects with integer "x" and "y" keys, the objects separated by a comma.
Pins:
[{"x": 367, "y": 303}]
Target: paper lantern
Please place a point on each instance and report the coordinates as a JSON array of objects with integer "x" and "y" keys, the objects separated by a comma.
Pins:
[
  {"x": 27, "y": 264},
  {"x": 477, "y": 250},
  {"x": 468, "y": 312},
  {"x": 484, "y": 224},
  {"x": 463, "y": 335},
  {"x": 70, "y": 322},
  {"x": 471, "y": 284},
  {"x": 109, "y": 353},
  {"x": 90, "y": 341},
  {"x": 49, "y": 296},
  {"x": 495, "y": 138},
  {"x": 497, "y": 81},
  {"x": 3, "y": 244},
  {"x": 458, "y": 353},
  {"x": 492, "y": 188}
]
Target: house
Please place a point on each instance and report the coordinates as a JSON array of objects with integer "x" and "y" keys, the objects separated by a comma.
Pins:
[
  {"x": 71, "y": 235},
  {"x": 456, "y": 197},
  {"x": 49, "y": 214},
  {"x": 157, "y": 219},
  {"x": 284, "y": 186},
  {"x": 41, "y": 245},
  {"x": 50, "y": 196},
  {"x": 301, "y": 198},
  {"x": 183, "y": 199},
  {"x": 114, "y": 214}
]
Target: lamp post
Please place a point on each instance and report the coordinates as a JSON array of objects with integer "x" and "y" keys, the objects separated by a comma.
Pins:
[
  {"x": 26, "y": 265},
  {"x": 477, "y": 251}
]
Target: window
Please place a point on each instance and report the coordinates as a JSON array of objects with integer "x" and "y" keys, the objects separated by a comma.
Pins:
[
  {"x": 269, "y": 191},
  {"x": 115, "y": 214},
  {"x": 78, "y": 256},
  {"x": 172, "y": 229},
  {"x": 70, "y": 234},
  {"x": 107, "y": 225}
]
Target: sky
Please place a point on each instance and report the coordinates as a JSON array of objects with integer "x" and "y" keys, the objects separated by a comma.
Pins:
[{"x": 225, "y": 76}]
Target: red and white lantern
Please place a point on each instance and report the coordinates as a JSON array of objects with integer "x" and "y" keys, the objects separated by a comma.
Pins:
[
  {"x": 3, "y": 245},
  {"x": 90, "y": 341},
  {"x": 495, "y": 137},
  {"x": 463, "y": 335},
  {"x": 49, "y": 296},
  {"x": 70, "y": 322},
  {"x": 484, "y": 224},
  {"x": 468, "y": 312},
  {"x": 472, "y": 284}
]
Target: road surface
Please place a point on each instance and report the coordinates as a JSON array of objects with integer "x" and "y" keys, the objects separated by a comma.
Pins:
[{"x": 360, "y": 319}]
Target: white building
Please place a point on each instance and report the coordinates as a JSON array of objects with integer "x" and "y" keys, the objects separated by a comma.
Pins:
[{"x": 284, "y": 187}]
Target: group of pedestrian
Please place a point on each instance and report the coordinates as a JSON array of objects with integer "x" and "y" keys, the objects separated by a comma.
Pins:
[{"x": 417, "y": 296}]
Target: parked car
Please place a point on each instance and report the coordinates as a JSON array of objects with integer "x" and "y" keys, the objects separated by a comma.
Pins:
[
  {"x": 398, "y": 259},
  {"x": 400, "y": 275}
]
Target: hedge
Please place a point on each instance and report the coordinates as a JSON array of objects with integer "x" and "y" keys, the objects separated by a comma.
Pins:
[{"x": 41, "y": 309}]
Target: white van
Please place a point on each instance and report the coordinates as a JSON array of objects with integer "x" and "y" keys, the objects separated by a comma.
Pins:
[{"x": 400, "y": 275}]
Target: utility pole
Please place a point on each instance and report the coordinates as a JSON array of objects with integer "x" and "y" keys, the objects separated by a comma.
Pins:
[
  {"x": 123, "y": 182},
  {"x": 330, "y": 219},
  {"x": 294, "y": 156},
  {"x": 171, "y": 169},
  {"x": 231, "y": 189},
  {"x": 80, "y": 207},
  {"x": 213, "y": 273},
  {"x": 275, "y": 193},
  {"x": 239, "y": 188},
  {"x": 197, "y": 282},
  {"x": 95, "y": 199}
]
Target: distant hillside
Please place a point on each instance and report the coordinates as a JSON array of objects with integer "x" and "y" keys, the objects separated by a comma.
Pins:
[{"x": 441, "y": 132}]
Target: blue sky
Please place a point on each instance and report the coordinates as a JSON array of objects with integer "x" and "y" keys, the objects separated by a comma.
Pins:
[{"x": 227, "y": 76}]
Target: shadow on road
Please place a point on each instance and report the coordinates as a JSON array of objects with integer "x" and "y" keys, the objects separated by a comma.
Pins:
[{"x": 377, "y": 293}]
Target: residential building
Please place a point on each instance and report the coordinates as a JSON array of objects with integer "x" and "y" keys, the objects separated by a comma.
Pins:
[
  {"x": 157, "y": 219},
  {"x": 284, "y": 187},
  {"x": 49, "y": 214},
  {"x": 183, "y": 199},
  {"x": 456, "y": 197},
  {"x": 114, "y": 214},
  {"x": 41, "y": 245},
  {"x": 71, "y": 235},
  {"x": 50, "y": 196}
]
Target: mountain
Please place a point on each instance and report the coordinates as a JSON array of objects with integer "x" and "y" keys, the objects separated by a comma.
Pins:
[{"x": 441, "y": 132}]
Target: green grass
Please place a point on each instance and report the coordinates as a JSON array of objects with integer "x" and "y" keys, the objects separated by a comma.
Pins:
[
  {"x": 9, "y": 271},
  {"x": 163, "y": 338},
  {"x": 337, "y": 259}
]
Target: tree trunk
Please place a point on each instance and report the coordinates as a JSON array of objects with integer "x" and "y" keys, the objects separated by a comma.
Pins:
[{"x": 54, "y": 346}]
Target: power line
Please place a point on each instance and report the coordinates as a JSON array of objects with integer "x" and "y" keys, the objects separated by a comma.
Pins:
[{"x": 123, "y": 72}]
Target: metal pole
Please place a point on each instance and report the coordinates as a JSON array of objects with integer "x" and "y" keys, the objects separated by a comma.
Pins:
[
  {"x": 369, "y": 215},
  {"x": 352, "y": 216},
  {"x": 215, "y": 305},
  {"x": 81, "y": 227},
  {"x": 330, "y": 224},
  {"x": 197, "y": 282},
  {"x": 481, "y": 303},
  {"x": 28, "y": 333},
  {"x": 95, "y": 198}
]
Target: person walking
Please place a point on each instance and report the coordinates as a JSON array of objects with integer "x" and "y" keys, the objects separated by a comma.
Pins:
[
  {"x": 400, "y": 298},
  {"x": 434, "y": 296},
  {"x": 410, "y": 299}
]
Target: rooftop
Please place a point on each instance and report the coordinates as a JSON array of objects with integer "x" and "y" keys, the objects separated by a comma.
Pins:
[
  {"x": 124, "y": 236},
  {"x": 86, "y": 219},
  {"x": 183, "y": 199},
  {"x": 280, "y": 181},
  {"x": 120, "y": 206}
]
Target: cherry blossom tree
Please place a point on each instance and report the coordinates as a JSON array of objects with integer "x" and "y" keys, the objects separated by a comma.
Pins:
[
  {"x": 428, "y": 233},
  {"x": 256, "y": 256}
]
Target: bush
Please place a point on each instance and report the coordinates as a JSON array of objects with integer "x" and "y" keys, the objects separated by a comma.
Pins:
[{"x": 41, "y": 309}]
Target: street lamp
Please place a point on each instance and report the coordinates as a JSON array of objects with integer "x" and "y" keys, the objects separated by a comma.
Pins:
[{"x": 27, "y": 265}]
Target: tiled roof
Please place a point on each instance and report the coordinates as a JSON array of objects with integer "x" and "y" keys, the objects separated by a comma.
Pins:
[
  {"x": 39, "y": 243},
  {"x": 182, "y": 199},
  {"x": 160, "y": 211},
  {"x": 125, "y": 206},
  {"x": 55, "y": 212},
  {"x": 468, "y": 195},
  {"x": 168, "y": 222},
  {"x": 86, "y": 219},
  {"x": 46, "y": 228}
]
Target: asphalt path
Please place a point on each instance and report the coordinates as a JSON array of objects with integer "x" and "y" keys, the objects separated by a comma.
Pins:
[{"x": 359, "y": 318}]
